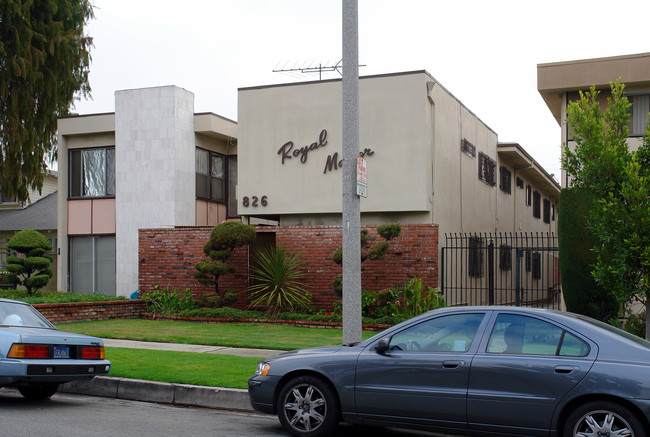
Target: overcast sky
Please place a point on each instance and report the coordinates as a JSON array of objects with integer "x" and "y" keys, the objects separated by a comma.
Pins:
[{"x": 484, "y": 52}]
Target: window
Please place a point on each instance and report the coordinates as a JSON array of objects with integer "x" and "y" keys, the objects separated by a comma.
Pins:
[
  {"x": 505, "y": 257},
  {"x": 529, "y": 195},
  {"x": 475, "y": 257},
  {"x": 520, "y": 183},
  {"x": 92, "y": 172},
  {"x": 553, "y": 212},
  {"x": 547, "y": 211},
  {"x": 537, "y": 204},
  {"x": 639, "y": 114},
  {"x": 468, "y": 148},
  {"x": 92, "y": 264},
  {"x": 515, "y": 334},
  {"x": 536, "y": 265},
  {"x": 210, "y": 176},
  {"x": 486, "y": 169},
  {"x": 232, "y": 186},
  {"x": 506, "y": 177},
  {"x": 442, "y": 334}
]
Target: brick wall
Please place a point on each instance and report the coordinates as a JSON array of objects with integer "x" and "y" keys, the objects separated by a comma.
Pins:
[
  {"x": 167, "y": 257},
  {"x": 81, "y": 311}
]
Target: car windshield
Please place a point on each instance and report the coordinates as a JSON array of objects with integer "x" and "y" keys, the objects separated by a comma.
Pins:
[{"x": 17, "y": 314}]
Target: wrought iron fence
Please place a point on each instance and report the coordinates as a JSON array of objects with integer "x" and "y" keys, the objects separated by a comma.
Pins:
[{"x": 517, "y": 269}]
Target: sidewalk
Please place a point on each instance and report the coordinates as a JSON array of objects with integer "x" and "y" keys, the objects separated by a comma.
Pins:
[{"x": 168, "y": 393}]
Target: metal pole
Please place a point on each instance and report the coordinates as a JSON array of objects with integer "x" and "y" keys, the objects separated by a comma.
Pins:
[{"x": 351, "y": 202}]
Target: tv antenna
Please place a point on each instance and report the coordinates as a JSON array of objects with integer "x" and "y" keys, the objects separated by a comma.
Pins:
[{"x": 320, "y": 68}]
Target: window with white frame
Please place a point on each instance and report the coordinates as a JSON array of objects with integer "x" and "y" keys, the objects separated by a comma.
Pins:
[{"x": 92, "y": 172}]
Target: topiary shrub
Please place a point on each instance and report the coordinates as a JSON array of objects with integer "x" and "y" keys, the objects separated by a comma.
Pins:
[
  {"x": 31, "y": 269},
  {"x": 223, "y": 240}
]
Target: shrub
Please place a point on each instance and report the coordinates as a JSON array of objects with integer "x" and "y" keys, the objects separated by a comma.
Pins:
[
  {"x": 168, "y": 301},
  {"x": 31, "y": 270},
  {"x": 223, "y": 240},
  {"x": 414, "y": 299},
  {"x": 278, "y": 281}
]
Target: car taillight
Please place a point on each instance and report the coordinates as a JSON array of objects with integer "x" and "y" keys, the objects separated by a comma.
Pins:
[
  {"x": 92, "y": 353},
  {"x": 28, "y": 351}
]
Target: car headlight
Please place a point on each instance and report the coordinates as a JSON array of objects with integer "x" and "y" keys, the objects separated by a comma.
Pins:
[{"x": 262, "y": 368}]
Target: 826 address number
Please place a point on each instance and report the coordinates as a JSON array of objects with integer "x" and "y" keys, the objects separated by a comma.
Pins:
[{"x": 254, "y": 201}]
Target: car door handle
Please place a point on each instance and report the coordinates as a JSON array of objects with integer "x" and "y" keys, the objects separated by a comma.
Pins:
[
  {"x": 452, "y": 364},
  {"x": 564, "y": 369}
]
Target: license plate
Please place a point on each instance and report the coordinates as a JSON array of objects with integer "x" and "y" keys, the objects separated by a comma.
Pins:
[{"x": 61, "y": 352}]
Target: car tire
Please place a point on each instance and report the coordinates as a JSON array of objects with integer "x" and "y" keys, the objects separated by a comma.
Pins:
[
  {"x": 308, "y": 407},
  {"x": 38, "y": 392},
  {"x": 602, "y": 418}
]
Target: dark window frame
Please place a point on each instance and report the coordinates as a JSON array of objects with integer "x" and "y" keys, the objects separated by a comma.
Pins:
[
  {"x": 529, "y": 195},
  {"x": 467, "y": 148},
  {"x": 78, "y": 192},
  {"x": 537, "y": 204},
  {"x": 505, "y": 180},
  {"x": 505, "y": 258},
  {"x": 209, "y": 188},
  {"x": 547, "y": 211},
  {"x": 520, "y": 183},
  {"x": 475, "y": 257},
  {"x": 486, "y": 169}
]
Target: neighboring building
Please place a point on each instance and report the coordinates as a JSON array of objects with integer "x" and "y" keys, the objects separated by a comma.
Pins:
[
  {"x": 560, "y": 82},
  {"x": 429, "y": 159},
  {"x": 152, "y": 163},
  {"x": 39, "y": 213}
]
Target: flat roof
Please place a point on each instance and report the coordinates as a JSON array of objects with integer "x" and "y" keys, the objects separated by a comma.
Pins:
[{"x": 556, "y": 78}]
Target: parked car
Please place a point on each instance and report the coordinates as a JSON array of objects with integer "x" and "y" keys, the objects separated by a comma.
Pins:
[
  {"x": 468, "y": 370},
  {"x": 35, "y": 357}
]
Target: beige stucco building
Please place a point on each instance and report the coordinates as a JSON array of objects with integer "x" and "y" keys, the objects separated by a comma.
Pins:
[
  {"x": 429, "y": 159},
  {"x": 560, "y": 82}
]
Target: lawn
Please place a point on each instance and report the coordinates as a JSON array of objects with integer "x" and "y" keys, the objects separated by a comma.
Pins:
[
  {"x": 249, "y": 335},
  {"x": 181, "y": 367}
]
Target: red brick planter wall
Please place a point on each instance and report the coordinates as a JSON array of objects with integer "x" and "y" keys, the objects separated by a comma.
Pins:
[
  {"x": 167, "y": 257},
  {"x": 81, "y": 311}
]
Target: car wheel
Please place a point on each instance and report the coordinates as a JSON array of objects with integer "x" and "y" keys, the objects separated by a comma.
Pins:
[
  {"x": 307, "y": 407},
  {"x": 38, "y": 392},
  {"x": 603, "y": 418}
]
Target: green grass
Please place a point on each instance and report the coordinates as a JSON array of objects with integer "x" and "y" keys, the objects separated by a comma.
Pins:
[
  {"x": 181, "y": 367},
  {"x": 248, "y": 335}
]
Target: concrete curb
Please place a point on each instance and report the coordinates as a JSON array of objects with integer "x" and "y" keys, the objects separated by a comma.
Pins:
[{"x": 152, "y": 391}]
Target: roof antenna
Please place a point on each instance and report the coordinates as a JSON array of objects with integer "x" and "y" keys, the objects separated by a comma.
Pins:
[{"x": 320, "y": 68}]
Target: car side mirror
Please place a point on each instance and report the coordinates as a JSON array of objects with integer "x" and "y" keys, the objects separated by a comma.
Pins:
[{"x": 383, "y": 345}]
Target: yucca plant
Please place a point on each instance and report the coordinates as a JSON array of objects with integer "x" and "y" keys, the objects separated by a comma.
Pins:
[{"x": 278, "y": 281}]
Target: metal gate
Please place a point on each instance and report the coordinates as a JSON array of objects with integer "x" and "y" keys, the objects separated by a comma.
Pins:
[{"x": 502, "y": 269}]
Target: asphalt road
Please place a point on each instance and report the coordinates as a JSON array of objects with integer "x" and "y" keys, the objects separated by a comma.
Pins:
[{"x": 72, "y": 415}]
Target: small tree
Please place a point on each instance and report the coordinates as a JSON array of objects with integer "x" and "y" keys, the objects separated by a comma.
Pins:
[
  {"x": 223, "y": 240},
  {"x": 31, "y": 270},
  {"x": 619, "y": 182},
  {"x": 368, "y": 251}
]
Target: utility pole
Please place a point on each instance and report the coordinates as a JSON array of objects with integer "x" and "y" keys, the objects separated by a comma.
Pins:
[{"x": 351, "y": 203}]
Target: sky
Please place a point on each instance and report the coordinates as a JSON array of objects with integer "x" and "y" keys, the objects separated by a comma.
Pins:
[{"x": 484, "y": 53}]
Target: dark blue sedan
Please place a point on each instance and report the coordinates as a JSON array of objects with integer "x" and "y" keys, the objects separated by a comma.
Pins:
[
  {"x": 469, "y": 370},
  {"x": 35, "y": 357}
]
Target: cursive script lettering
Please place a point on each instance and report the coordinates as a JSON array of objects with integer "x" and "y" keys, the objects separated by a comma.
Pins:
[
  {"x": 287, "y": 151},
  {"x": 334, "y": 163}
]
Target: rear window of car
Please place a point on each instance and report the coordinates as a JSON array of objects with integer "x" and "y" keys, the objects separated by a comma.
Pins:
[
  {"x": 615, "y": 330},
  {"x": 17, "y": 314}
]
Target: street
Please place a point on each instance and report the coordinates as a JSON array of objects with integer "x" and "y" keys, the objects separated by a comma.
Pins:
[{"x": 71, "y": 415}]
